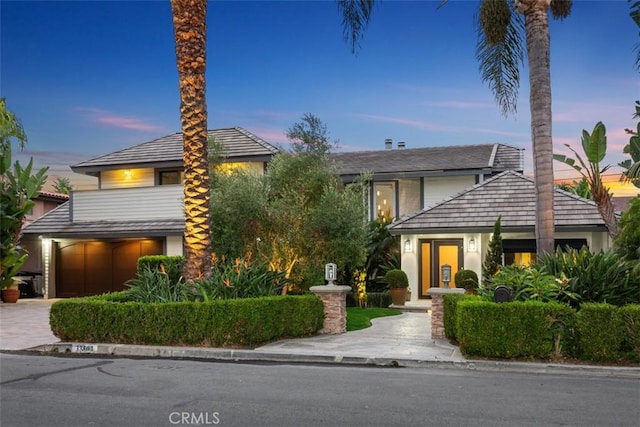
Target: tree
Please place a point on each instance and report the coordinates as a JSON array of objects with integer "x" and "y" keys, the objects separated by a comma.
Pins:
[
  {"x": 594, "y": 146},
  {"x": 627, "y": 243},
  {"x": 493, "y": 259},
  {"x": 62, "y": 185},
  {"x": 500, "y": 53},
  {"x": 189, "y": 23},
  {"x": 579, "y": 188},
  {"x": 18, "y": 186},
  {"x": 632, "y": 166},
  {"x": 310, "y": 136}
]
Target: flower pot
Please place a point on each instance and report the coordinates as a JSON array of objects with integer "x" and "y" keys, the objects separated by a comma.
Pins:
[
  {"x": 10, "y": 295},
  {"x": 398, "y": 296}
]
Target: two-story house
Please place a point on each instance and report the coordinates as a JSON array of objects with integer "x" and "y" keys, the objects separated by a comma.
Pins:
[{"x": 443, "y": 200}]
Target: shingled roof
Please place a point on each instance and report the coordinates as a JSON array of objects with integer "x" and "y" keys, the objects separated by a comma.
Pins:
[
  {"x": 56, "y": 223},
  {"x": 510, "y": 195},
  {"x": 407, "y": 162},
  {"x": 239, "y": 144}
]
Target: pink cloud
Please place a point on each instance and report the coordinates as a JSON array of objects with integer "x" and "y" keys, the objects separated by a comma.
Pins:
[
  {"x": 458, "y": 104},
  {"x": 114, "y": 120}
]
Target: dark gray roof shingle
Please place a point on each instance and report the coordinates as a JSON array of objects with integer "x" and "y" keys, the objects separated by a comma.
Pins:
[
  {"x": 239, "y": 145},
  {"x": 510, "y": 195}
]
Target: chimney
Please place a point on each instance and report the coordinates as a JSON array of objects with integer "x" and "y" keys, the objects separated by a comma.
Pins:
[
  {"x": 401, "y": 145},
  {"x": 388, "y": 144}
]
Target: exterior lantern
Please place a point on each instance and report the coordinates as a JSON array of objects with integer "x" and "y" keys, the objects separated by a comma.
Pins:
[
  {"x": 408, "y": 247},
  {"x": 330, "y": 273},
  {"x": 472, "y": 245},
  {"x": 445, "y": 274}
]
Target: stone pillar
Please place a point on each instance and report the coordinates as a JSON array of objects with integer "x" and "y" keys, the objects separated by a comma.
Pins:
[
  {"x": 437, "y": 310},
  {"x": 334, "y": 299}
]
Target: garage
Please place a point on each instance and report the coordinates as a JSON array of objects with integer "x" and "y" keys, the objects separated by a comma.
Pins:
[{"x": 86, "y": 268}]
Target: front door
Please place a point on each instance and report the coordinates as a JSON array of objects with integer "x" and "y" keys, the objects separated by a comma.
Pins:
[{"x": 434, "y": 253}]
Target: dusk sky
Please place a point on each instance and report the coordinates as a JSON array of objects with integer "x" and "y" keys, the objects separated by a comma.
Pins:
[{"x": 91, "y": 77}]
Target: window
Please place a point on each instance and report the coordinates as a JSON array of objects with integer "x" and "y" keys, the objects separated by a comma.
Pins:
[
  {"x": 384, "y": 200},
  {"x": 170, "y": 177}
]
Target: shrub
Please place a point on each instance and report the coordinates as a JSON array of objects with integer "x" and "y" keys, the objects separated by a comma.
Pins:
[
  {"x": 396, "y": 278},
  {"x": 450, "y": 302},
  {"x": 467, "y": 279},
  {"x": 627, "y": 242},
  {"x": 242, "y": 322},
  {"x": 631, "y": 317},
  {"x": 155, "y": 285},
  {"x": 600, "y": 332},
  {"x": 378, "y": 299},
  {"x": 511, "y": 330}
]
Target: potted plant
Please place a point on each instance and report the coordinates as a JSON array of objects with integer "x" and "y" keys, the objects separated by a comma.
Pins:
[
  {"x": 467, "y": 279},
  {"x": 398, "y": 284}
]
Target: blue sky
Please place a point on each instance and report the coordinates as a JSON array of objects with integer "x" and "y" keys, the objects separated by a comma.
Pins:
[{"x": 91, "y": 77}]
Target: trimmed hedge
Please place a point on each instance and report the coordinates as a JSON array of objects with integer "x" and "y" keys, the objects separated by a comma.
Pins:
[
  {"x": 246, "y": 322},
  {"x": 631, "y": 317},
  {"x": 511, "y": 330},
  {"x": 450, "y": 302},
  {"x": 600, "y": 331}
]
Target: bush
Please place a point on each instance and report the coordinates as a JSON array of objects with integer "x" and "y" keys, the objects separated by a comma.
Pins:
[
  {"x": 529, "y": 329},
  {"x": 631, "y": 317},
  {"x": 450, "y": 302},
  {"x": 155, "y": 285},
  {"x": 396, "y": 278},
  {"x": 379, "y": 299},
  {"x": 600, "y": 332},
  {"x": 224, "y": 323},
  {"x": 467, "y": 279}
]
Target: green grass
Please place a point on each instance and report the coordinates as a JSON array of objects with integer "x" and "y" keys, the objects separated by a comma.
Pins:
[{"x": 360, "y": 318}]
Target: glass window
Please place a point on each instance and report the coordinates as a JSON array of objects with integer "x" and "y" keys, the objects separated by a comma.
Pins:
[
  {"x": 170, "y": 177},
  {"x": 384, "y": 200}
]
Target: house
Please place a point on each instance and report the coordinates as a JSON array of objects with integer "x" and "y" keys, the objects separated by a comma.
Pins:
[
  {"x": 91, "y": 244},
  {"x": 456, "y": 231}
]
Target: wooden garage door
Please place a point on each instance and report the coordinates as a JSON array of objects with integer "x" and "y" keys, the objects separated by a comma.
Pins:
[{"x": 91, "y": 268}]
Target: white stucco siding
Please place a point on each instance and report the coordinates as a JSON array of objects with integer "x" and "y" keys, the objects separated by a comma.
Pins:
[
  {"x": 409, "y": 196},
  {"x": 162, "y": 202},
  {"x": 436, "y": 189},
  {"x": 127, "y": 178}
]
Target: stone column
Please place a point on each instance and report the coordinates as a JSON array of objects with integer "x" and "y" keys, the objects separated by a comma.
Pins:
[
  {"x": 437, "y": 310},
  {"x": 334, "y": 299}
]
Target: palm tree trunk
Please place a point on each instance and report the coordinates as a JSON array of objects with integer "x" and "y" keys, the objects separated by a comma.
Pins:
[
  {"x": 189, "y": 23},
  {"x": 537, "y": 33}
]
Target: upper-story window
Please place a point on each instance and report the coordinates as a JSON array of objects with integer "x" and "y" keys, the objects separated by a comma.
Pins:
[
  {"x": 170, "y": 177},
  {"x": 384, "y": 200}
]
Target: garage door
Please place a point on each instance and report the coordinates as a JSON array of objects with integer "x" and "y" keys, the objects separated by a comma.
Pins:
[{"x": 91, "y": 268}]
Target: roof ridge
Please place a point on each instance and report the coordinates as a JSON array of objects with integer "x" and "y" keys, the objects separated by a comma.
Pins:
[
  {"x": 395, "y": 150},
  {"x": 257, "y": 139}
]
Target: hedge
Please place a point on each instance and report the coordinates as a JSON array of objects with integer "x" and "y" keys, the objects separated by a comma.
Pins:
[
  {"x": 529, "y": 329},
  {"x": 246, "y": 322},
  {"x": 600, "y": 330},
  {"x": 450, "y": 302}
]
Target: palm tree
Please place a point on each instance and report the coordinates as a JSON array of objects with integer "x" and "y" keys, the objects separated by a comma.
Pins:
[
  {"x": 500, "y": 53},
  {"x": 190, "y": 30}
]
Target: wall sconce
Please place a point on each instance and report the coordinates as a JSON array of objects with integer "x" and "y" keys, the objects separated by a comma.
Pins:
[
  {"x": 408, "y": 246},
  {"x": 128, "y": 174},
  {"x": 472, "y": 245}
]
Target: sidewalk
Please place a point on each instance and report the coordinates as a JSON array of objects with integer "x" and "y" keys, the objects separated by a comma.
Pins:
[{"x": 398, "y": 341}]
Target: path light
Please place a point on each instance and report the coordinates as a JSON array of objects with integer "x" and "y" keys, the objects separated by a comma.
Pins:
[
  {"x": 445, "y": 273},
  {"x": 330, "y": 273}
]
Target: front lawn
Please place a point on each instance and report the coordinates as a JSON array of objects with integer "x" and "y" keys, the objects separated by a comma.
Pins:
[{"x": 360, "y": 318}]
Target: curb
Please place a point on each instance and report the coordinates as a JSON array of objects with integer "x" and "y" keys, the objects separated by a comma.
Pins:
[{"x": 241, "y": 355}]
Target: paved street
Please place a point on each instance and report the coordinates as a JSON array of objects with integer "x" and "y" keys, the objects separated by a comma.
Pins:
[{"x": 41, "y": 390}]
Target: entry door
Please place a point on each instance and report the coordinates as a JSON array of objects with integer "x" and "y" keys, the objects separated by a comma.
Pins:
[{"x": 433, "y": 255}]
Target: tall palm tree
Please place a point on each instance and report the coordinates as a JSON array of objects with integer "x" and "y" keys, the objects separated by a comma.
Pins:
[
  {"x": 500, "y": 52},
  {"x": 190, "y": 30}
]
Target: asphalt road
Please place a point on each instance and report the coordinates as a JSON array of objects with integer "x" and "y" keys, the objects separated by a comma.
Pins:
[{"x": 40, "y": 390}]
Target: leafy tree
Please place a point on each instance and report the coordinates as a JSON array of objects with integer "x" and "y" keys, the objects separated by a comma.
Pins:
[
  {"x": 579, "y": 188},
  {"x": 502, "y": 35},
  {"x": 310, "y": 136},
  {"x": 627, "y": 243},
  {"x": 383, "y": 250},
  {"x": 62, "y": 185},
  {"x": 493, "y": 259},
  {"x": 18, "y": 186},
  {"x": 189, "y": 23},
  {"x": 632, "y": 166},
  {"x": 594, "y": 146}
]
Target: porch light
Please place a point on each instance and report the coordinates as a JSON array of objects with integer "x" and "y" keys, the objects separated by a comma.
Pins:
[
  {"x": 408, "y": 247},
  {"x": 472, "y": 245},
  {"x": 445, "y": 274}
]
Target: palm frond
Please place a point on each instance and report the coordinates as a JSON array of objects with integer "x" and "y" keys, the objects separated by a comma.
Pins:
[
  {"x": 635, "y": 15},
  {"x": 355, "y": 18},
  {"x": 499, "y": 63}
]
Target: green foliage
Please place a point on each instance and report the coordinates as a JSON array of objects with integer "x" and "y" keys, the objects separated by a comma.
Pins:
[
  {"x": 383, "y": 253},
  {"x": 493, "y": 259},
  {"x": 627, "y": 242},
  {"x": 595, "y": 277},
  {"x": 467, "y": 279},
  {"x": 360, "y": 318},
  {"x": 62, "y": 185},
  {"x": 529, "y": 283},
  {"x": 450, "y": 303},
  {"x": 155, "y": 285},
  {"x": 18, "y": 186},
  {"x": 378, "y": 299},
  {"x": 631, "y": 166},
  {"x": 396, "y": 278},
  {"x": 172, "y": 265},
  {"x": 631, "y": 317},
  {"x": 224, "y": 323},
  {"x": 517, "y": 329},
  {"x": 579, "y": 188},
  {"x": 239, "y": 278},
  {"x": 310, "y": 136},
  {"x": 600, "y": 329}
]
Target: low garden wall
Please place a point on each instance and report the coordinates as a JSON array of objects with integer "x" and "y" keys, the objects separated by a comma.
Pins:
[{"x": 245, "y": 322}]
